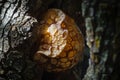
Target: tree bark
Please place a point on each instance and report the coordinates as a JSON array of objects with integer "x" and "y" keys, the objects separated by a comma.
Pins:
[{"x": 99, "y": 22}]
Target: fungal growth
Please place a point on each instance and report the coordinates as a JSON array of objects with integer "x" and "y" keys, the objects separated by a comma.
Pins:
[
  {"x": 58, "y": 38},
  {"x": 60, "y": 41}
]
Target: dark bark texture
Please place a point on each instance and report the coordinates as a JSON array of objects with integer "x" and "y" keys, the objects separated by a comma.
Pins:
[{"x": 99, "y": 21}]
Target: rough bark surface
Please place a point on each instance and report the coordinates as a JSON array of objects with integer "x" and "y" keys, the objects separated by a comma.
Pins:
[
  {"x": 99, "y": 20},
  {"x": 15, "y": 28}
]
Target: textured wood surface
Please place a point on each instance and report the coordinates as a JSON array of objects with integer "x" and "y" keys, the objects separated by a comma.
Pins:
[{"x": 98, "y": 20}]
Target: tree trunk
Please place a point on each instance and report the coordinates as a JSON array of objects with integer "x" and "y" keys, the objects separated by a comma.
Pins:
[{"x": 99, "y": 22}]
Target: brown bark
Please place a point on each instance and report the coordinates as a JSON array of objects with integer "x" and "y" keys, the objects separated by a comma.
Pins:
[{"x": 98, "y": 20}]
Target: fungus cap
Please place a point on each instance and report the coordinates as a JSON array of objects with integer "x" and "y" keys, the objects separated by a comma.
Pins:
[{"x": 60, "y": 42}]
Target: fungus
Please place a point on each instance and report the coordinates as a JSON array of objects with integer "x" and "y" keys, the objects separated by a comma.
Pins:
[{"x": 60, "y": 41}]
